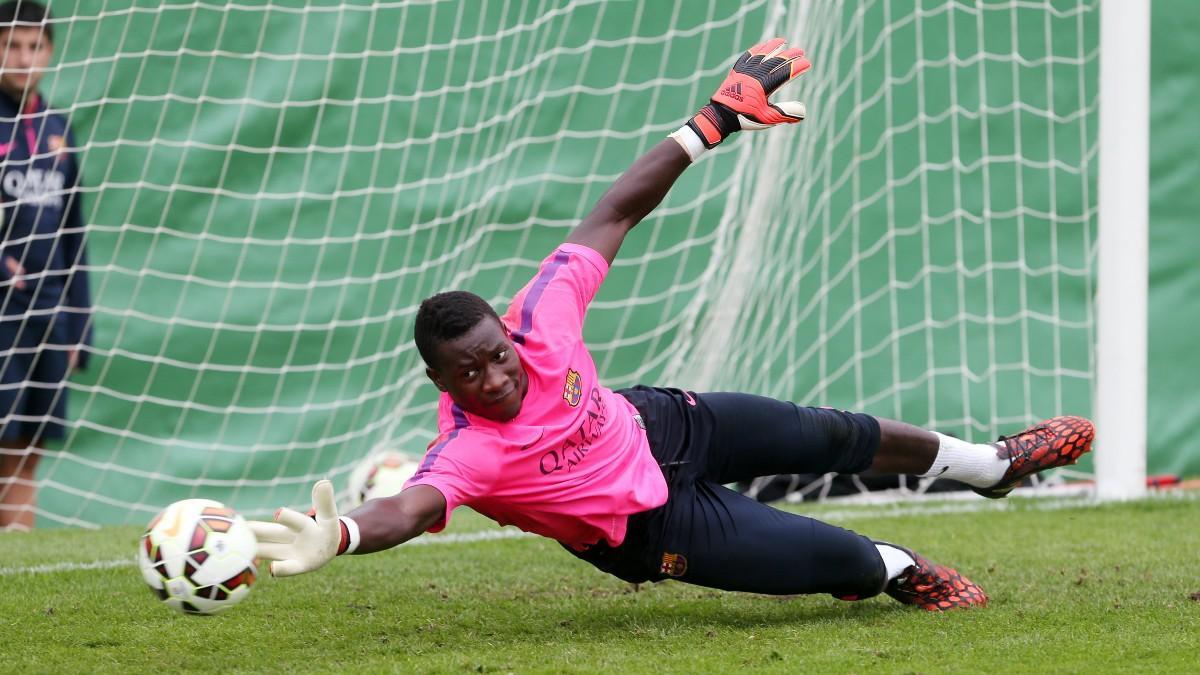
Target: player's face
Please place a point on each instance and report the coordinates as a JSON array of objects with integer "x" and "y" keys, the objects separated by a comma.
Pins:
[
  {"x": 24, "y": 55},
  {"x": 482, "y": 372}
]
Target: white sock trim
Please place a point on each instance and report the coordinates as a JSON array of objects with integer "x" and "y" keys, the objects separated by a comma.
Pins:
[
  {"x": 895, "y": 560},
  {"x": 689, "y": 141},
  {"x": 352, "y": 535},
  {"x": 975, "y": 464}
]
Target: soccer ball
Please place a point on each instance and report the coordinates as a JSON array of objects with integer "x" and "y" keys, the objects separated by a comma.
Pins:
[
  {"x": 380, "y": 475},
  {"x": 198, "y": 556}
]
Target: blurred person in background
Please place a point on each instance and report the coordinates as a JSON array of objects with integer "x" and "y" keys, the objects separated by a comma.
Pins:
[{"x": 44, "y": 298}]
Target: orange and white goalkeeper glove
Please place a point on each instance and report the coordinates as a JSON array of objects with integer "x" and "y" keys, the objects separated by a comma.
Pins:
[{"x": 741, "y": 102}]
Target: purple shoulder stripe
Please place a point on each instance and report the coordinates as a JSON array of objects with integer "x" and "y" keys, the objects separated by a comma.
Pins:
[
  {"x": 535, "y": 294},
  {"x": 460, "y": 423}
]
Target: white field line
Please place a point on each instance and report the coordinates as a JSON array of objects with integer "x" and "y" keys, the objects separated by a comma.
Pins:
[
  {"x": 951, "y": 508},
  {"x": 894, "y": 510},
  {"x": 1021, "y": 500},
  {"x": 427, "y": 540},
  {"x": 68, "y": 567}
]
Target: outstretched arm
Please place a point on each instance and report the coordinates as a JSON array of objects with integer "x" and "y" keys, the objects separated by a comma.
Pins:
[
  {"x": 391, "y": 521},
  {"x": 298, "y": 543},
  {"x": 741, "y": 102},
  {"x": 631, "y": 198}
]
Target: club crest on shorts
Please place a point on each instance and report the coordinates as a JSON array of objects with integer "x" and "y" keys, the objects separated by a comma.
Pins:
[
  {"x": 573, "y": 390},
  {"x": 673, "y": 564}
]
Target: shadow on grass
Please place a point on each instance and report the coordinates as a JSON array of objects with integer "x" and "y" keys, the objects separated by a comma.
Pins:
[{"x": 669, "y": 611}]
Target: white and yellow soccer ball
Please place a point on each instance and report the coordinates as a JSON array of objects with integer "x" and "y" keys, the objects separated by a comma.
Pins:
[
  {"x": 381, "y": 474},
  {"x": 198, "y": 556}
]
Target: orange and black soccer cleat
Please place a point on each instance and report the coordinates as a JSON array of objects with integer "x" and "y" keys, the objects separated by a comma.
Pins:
[
  {"x": 1056, "y": 442},
  {"x": 741, "y": 102},
  {"x": 933, "y": 587}
]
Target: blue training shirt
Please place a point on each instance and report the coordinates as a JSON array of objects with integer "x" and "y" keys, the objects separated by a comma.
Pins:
[{"x": 43, "y": 226}]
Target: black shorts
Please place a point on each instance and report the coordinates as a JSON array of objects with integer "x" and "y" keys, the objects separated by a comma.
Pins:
[
  {"x": 34, "y": 365},
  {"x": 710, "y": 535}
]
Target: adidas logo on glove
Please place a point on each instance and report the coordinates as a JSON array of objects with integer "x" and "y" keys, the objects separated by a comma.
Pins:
[{"x": 733, "y": 91}]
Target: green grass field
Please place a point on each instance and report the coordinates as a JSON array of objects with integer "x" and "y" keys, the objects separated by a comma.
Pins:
[{"x": 1074, "y": 587}]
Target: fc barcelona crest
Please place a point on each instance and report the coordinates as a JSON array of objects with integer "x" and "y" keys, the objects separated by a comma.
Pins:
[
  {"x": 674, "y": 564},
  {"x": 573, "y": 390}
]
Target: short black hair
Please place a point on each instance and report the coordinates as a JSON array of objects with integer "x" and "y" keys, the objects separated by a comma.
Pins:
[
  {"x": 446, "y": 316},
  {"x": 26, "y": 14}
]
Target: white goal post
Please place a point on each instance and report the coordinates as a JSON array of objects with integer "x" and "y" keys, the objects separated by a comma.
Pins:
[{"x": 1122, "y": 289}]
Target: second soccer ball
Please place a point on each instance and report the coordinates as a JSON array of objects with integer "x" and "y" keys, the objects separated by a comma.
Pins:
[{"x": 382, "y": 474}]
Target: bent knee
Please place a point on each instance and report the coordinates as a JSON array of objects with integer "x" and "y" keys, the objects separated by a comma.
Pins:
[{"x": 854, "y": 568}]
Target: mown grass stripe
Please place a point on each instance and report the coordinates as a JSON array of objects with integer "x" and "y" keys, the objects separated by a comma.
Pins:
[
  {"x": 466, "y": 538},
  {"x": 855, "y": 512}
]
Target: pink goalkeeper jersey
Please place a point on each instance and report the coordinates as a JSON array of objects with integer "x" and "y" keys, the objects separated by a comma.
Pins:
[{"x": 573, "y": 464}]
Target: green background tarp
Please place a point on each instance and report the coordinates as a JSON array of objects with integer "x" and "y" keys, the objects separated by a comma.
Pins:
[{"x": 271, "y": 192}]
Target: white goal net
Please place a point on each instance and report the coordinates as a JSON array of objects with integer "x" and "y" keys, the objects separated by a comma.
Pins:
[{"x": 271, "y": 188}]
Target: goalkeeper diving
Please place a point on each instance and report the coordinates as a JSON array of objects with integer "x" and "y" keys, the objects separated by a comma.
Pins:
[{"x": 633, "y": 480}]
